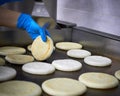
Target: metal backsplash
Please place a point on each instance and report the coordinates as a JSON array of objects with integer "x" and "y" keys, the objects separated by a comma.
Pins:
[
  {"x": 101, "y": 44},
  {"x": 102, "y": 15},
  {"x": 46, "y": 8}
]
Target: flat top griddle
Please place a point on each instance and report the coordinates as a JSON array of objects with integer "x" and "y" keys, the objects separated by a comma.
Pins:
[{"x": 60, "y": 54}]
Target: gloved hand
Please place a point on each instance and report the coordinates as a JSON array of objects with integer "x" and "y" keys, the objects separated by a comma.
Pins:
[{"x": 26, "y": 22}]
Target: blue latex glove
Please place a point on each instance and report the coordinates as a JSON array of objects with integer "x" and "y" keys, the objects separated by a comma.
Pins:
[
  {"x": 26, "y": 22},
  {"x": 8, "y": 1}
]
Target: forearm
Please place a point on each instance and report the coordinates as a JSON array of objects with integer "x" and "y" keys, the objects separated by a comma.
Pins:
[{"x": 8, "y": 18}]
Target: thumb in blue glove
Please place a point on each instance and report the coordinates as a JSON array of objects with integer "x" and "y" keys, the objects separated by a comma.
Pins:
[{"x": 26, "y": 22}]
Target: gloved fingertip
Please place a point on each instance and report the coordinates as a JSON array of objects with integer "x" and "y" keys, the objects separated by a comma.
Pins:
[
  {"x": 44, "y": 39},
  {"x": 46, "y": 25},
  {"x": 47, "y": 33}
]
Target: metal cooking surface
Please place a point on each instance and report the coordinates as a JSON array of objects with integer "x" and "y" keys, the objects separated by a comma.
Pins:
[{"x": 59, "y": 54}]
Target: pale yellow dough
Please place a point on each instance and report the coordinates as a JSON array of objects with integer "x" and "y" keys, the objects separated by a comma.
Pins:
[
  {"x": 98, "y": 80},
  {"x": 117, "y": 74},
  {"x": 68, "y": 45},
  {"x": 19, "y": 59},
  {"x": 29, "y": 47},
  {"x": 63, "y": 87},
  {"x": 42, "y": 50},
  {"x": 11, "y": 50},
  {"x": 78, "y": 53},
  {"x": 19, "y": 88}
]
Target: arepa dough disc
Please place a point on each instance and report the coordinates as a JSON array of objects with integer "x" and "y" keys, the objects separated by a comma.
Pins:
[
  {"x": 29, "y": 47},
  {"x": 11, "y": 50},
  {"x": 19, "y": 88},
  {"x": 63, "y": 87},
  {"x": 117, "y": 74},
  {"x": 38, "y": 68},
  {"x": 98, "y": 80},
  {"x": 7, "y": 73},
  {"x": 42, "y": 50},
  {"x": 100, "y": 61},
  {"x": 19, "y": 59},
  {"x": 68, "y": 45},
  {"x": 78, "y": 53},
  {"x": 2, "y": 61},
  {"x": 67, "y": 64}
]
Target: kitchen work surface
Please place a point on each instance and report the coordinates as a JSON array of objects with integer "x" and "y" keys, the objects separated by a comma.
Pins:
[{"x": 60, "y": 54}]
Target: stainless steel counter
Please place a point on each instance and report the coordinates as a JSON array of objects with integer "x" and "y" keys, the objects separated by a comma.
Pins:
[
  {"x": 58, "y": 54},
  {"x": 101, "y": 15}
]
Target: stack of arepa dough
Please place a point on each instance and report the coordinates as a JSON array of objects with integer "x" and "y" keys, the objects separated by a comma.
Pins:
[{"x": 35, "y": 64}]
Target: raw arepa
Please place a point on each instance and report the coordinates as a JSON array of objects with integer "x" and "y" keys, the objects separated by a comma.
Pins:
[
  {"x": 19, "y": 88},
  {"x": 78, "y": 53},
  {"x": 38, "y": 68},
  {"x": 99, "y": 61},
  {"x": 29, "y": 47},
  {"x": 19, "y": 59},
  {"x": 98, "y": 80},
  {"x": 117, "y": 74},
  {"x": 68, "y": 45},
  {"x": 63, "y": 87},
  {"x": 42, "y": 50},
  {"x": 67, "y": 64},
  {"x": 7, "y": 73},
  {"x": 11, "y": 50}
]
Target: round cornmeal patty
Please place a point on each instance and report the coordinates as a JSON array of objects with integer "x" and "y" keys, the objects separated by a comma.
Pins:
[
  {"x": 38, "y": 68},
  {"x": 19, "y": 59},
  {"x": 6, "y": 50},
  {"x": 96, "y": 60},
  {"x": 19, "y": 88},
  {"x": 117, "y": 74},
  {"x": 63, "y": 87},
  {"x": 98, "y": 80},
  {"x": 67, "y": 64},
  {"x": 42, "y": 50},
  {"x": 29, "y": 47},
  {"x": 7, "y": 73},
  {"x": 78, "y": 53},
  {"x": 68, "y": 45}
]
